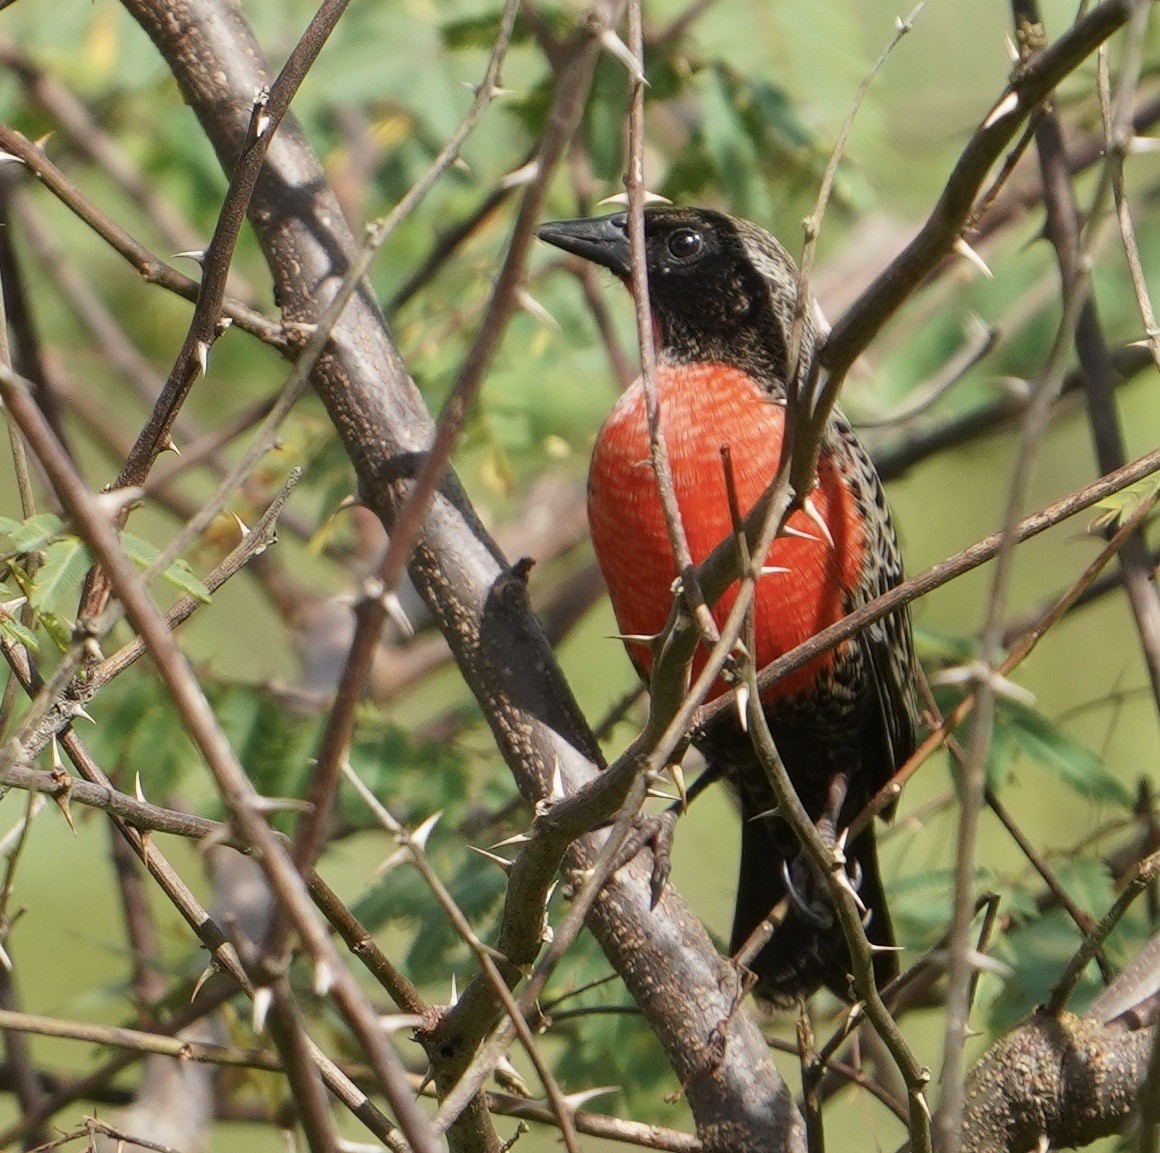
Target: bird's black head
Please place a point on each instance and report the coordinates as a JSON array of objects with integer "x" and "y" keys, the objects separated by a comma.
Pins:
[{"x": 720, "y": 289}]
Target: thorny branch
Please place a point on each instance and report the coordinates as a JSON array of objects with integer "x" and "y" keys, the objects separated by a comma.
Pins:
[{"x": 523, "y": 739}]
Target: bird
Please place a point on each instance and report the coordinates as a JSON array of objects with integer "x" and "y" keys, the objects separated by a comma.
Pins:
[{"x": 722, "y": 293}]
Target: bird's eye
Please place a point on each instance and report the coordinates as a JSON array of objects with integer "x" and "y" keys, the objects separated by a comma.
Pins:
[{"x": 684, "y": 244}]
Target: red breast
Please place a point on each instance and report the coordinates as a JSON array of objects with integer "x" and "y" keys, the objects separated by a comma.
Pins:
[{"x": 703, "y": 407}]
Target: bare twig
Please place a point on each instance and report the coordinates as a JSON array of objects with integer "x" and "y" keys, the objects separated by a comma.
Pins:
[
  {"x": 236, "y": 789},
  {"x": 151, "y": 268}
]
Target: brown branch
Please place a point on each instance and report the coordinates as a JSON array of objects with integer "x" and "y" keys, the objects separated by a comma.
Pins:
[
  {"x": 268, "y": 108},
  {"x": 1065, "y": 1080},
  {"x": 870, "y": 312},
  {"x": 944, "y": 572},
  {"x": 1095, "y": 360},
  {"x": 480, "y": 608},
  {"x": 151, "y": 268},
  {"x": 232, "y": 781}
]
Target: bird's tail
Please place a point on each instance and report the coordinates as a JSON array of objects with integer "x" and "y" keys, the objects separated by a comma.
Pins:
[{"x": 806, "y": 951}]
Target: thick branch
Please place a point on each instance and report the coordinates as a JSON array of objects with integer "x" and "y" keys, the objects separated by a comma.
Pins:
[{"x": 668, "y": 961}]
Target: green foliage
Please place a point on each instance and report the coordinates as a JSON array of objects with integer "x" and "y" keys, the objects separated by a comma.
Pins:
[
  {"x": 605, "y": 1040},
  {"x": 1021, "y": 729},
  {"x": 1028, "y": 731},
  {"x": 740, "y": 113}
]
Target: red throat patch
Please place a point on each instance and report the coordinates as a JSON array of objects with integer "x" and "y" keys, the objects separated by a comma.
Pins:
[{"x": 704, "y": 407}]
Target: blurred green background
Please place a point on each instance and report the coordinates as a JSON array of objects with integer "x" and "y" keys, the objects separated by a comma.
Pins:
[{"x": 765, "y": 89}]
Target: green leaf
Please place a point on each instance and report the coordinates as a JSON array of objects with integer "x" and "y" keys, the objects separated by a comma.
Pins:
[
  {"x": 140, "y": 732},
  {"x": 1037, "y": 953},
  {"x": 15, "y": 631},
  {"x": 728, "y": 141},
  {"x": 1120, "y": 506},
  {"x": 276, "y": 751},
  {"x": 59, "y": 630},
  {"x": 941, "y": 648},
  {"x": 604, "y": 120},
  {"x": 33, "y": 533},
  {"x": 1001, "y": 756},
  {"x": 480, "y": 32},
  {"x": 139, "y": 551},
  {"x": 64, "y": 567},
  {"x": 180, "y": 575},
  {"x": 1071, "y": 763}
]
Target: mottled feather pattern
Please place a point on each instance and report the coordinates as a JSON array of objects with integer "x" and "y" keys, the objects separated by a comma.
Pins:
[{"x": 723, "y": 295}]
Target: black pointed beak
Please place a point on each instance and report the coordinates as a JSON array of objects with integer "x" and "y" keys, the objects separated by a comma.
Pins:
[{"x": 601, "y": 239}]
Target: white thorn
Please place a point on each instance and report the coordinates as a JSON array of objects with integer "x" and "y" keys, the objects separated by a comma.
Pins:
[
  {"x": 324, "y": 978},
  {"x": 660, "y": 795},
  {"x": 969, "y": 254},
  {"x": 1017, "y": 386},
  {"x": 395, "y": 611},
  {"x": 5, "y": 959},
  {"x": 84, "y": 714},
  {"x": 575, "y": 1100},
  {"x": 985, "y": 964},
  {"x": 1142, "y": 144},
  {"x": 420, "y": 835},
  {"x": 741, "y": 700},
  {"x": 857, "y": 1010},
  {"x": 765, "y": 813},
  {"x": 197, "y": 255},
  {"x": 170, "y": 445},
  {"x": 138, "y": 789},
  {"x": 885, "y": 948},
  {"x": 633, "y": 638},
  {"x": 678, "y": 775},
  {"x": 1012, "y": 51},
  {"x": 848, "y": 885},
  {"x": 261, "y": 125},
  {"x": 1009, "y": 104},
  {"x": 534, "y": 308},
  {"x": 454, "y": 992},
  {"x": 396, "y": 858},
  {"x": 521, "y": 176},
  {"x": 263, "y": 999},
  {"x": 201, "y": 351},
  {"x": 920, "y": 1101},
  {"x": 773, "y": 570},
  {"x": 394, "y": 1023},
  {"x": 516, "y": 839},
  {"x": 116, "y": 500},
  {"x": 503, "y": 862},
  {"x": 557, "y": 792},
  {"x": 811, "y": 510},
  {"x": 10, "y": 157},
  {"x": 621, "y": 198},
  {"x": 614, "y": 46},
  {"x": 789, "y": 530},
  {"x": 978, "y": 673},
  {"x": 262, "y": 804},
  {"x": 243, "y": 528},
  {"x": 205, "y": 975}
]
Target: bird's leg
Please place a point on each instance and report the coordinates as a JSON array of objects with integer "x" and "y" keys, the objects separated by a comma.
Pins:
[
  {"x": 656, "y": 833},
  {"x": 804, "y": 882}
]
